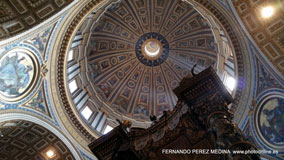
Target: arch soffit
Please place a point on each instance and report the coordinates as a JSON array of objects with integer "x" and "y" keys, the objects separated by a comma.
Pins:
[{"x": 20, "y": 116}]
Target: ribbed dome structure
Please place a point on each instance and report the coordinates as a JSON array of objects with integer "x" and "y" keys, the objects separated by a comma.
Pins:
[{"x": 131, "y": 80}]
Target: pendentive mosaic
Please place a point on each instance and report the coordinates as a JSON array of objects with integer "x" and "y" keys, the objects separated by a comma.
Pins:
[
  {"x": 18, "y": 74},
  {"x": 270, "y": 120}
]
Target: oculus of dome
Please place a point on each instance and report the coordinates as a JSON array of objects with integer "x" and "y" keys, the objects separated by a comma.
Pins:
[{"x": 152, "y": 49}]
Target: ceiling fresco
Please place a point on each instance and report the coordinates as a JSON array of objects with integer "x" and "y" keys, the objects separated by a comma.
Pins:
[
  {"x": 17, "y": 16},
  {"x": 131, "y": 81},
  {"x": 23, "y": 140},
  {"x": 267, "y": 33}
]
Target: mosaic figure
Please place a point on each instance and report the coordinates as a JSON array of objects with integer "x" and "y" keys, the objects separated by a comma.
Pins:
[
  {"x": 15, "y": 74},
  {"x": 37, "y": 102},
  {"x": 162, "y": 108},
  {"x": 211, "y": 43},
  {"x": 41, "y": 39},
  {"x": 141, "y": 110},
  {"x": 113, "y": 81},
  {"x": 126, "y": 92},
  {"x": 105, "y": 89},
  {"x": 144, "y": 98},
  {"x": 202, "y": 21},
  {"x": 94, "y": 70},
  {"x": 272, "y": 121},
  {"x": 123, "y": 103},
  {"x": 161, "y": 99}
]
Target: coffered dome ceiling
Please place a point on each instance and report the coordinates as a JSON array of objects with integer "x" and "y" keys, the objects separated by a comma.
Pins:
[
  {"x": 17, "y": 16},
  {"x": 139, "y": 51}
]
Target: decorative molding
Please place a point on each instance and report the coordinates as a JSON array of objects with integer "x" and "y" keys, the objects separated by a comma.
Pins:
[{"x": 60, "y": 66}]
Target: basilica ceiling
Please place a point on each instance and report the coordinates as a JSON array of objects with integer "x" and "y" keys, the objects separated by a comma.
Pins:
[
  {"x": 267, "y": 33},
  {"x": 17, "y": 16},
  {"x": 23, "y": 140},
  {"x": 140, "y": 50},
  {"x": 133, "y": 56}
]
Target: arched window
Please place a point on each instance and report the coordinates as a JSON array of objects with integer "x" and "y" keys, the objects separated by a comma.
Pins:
[
  {"x": 70, "y": 55},
  {"x": 87, "y": 112},
  {"x": 107, "y": 129},
  {"x": 229, "y": 82},
  {"x": 73, "y": 86}
]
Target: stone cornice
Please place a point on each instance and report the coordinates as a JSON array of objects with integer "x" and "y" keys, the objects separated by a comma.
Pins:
[{"x": 61, "y": 66}]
